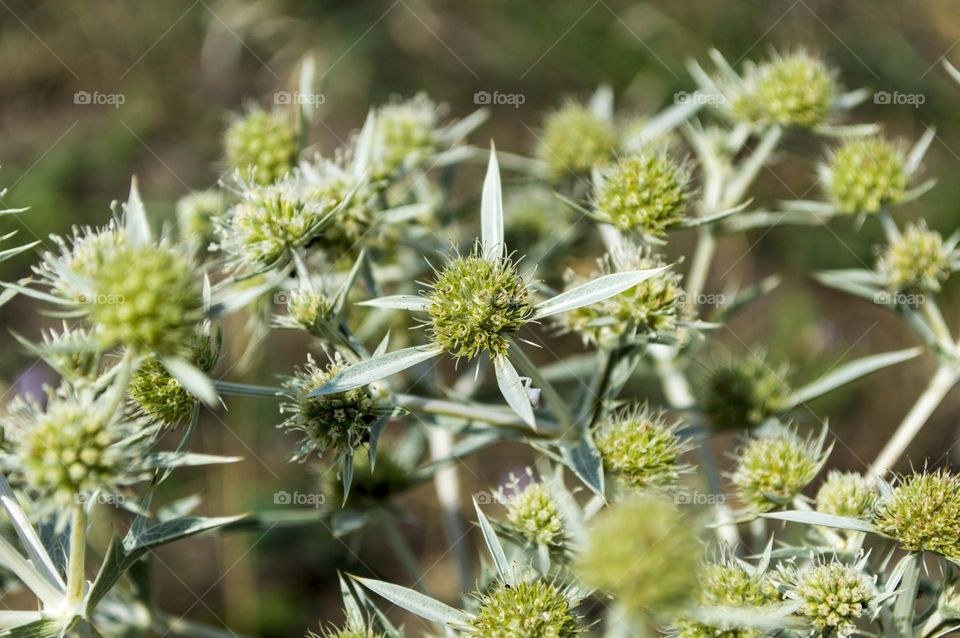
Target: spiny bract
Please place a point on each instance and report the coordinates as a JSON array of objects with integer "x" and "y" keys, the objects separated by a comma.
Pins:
[
  {"x": 638, "y": 446},
  {"x": 476, "y": 303},
  {"x": 923, "y": 513},
  {"x": 644, "y": 194},
  {"x": 262, "y": 144},
  {"x": 847, "y": 494},
  {"x": 867, "y": 174},
  {"x": 834, "y": 596},
  {"x": 773, "y": 469},
  {"x": 917, "y": 261},
  {"x": 536, "y": 609},
  {"x": 574, "y": 140},
  {"x": 534, "y": 515}
]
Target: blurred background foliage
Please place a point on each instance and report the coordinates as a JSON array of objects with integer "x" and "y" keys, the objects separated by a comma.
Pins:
[{"x": 182, "y": 65}]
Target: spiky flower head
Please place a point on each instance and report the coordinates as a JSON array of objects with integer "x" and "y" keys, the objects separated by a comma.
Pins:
[
  {"x": 338, "y": 423},
  {"x": 923, "y": 513},
  {"x": 792, "y": 90},
  {"x": 69, "y": 269},
  {"x": 74, "y": 446},
  {"x": 406, "y": 132},
  {"x": 196, "y": 212},
  {"x": 574, "y": 140},
  {"x": 269, "y": 222},
  {"x": 476, "y": 303},
  {"x": 847, "y": 494},
  {"x": 645, "y": 552},
  {"x": 72, "y": 352},
  {"x": 638, "y": 446},
  {"x": 867, "y": 174},
  {"x": 743, "y": 392},
  {"x": 159, "y": 395},
  {"x": 534, "y": 515},
  {"x": 536, "y": 609},
  {"x": 262, "y": 144},
  {"x": 774, "y": 467},
  {"x": 834, "y": 596},
  {"x": 643, "y": 193},
  {"x": 652, "y": 307},
  {"x": 727, "y": 584},
  {"x": 145, "y": 297},
  {"x": 918, "y": 260},
  {"x": 307, "y": 310}
]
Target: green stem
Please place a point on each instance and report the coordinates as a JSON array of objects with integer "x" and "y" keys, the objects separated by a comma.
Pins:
[{"x": 76, "y": 576}]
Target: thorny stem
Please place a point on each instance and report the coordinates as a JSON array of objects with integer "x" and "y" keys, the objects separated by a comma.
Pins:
[{"x": 76, "y": 577}]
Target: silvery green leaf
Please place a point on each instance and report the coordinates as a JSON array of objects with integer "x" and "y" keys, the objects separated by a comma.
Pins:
[
  {"x": 462, "y": 128},
  {"x": 768, "y": 619},
  {"x": 12, "y": 211},
  {"x": 664, "y": 122},
  {"x": 850, "y": 99},
  {"x": 13, "y": 252},
  {"x": 40, "y": 629},
  {"x": 363, "y": 150},
  {"x": 186, "y": 459},
  {"x": 356, "y": 620},
  {"x": 848, "y": 130},
  {"x": 491, "y": 210},
  {"x": 513, "y": 390},
  {"x": 695, "y": 222},
  {"x": 346, "y": 477},
  {"x": 594, "y": 291},
  {"x": 849, "y": 372},
  {"x": 401, "y": 214},
  {"x": 601, "y": 103},
  {"x": 135, "y": 217},
  {"x": 193, "y": 380},
  {"x": 36, "y": 294},
  {"x": 584, "y": 459},
  {"x": 905, "y": 607},
  {"x": 918, "y": 191},
  {"x": 12, "y": 561},
  {"x": 376, "y": 429},
  {"x": 12, "y": 619},
  {"x": 176, "y": 529},
  {"x": 919, "y": 149},
  {"x": 343, "y": 292},
  {"x": 825, "y": 520},
  {"x": 36, "y": 552},
  {"x": 415, "y": 303},
  {"x": 768, "y": 219},
  {"x": 493, "y": 545},
  {"x": 858, "y": 282},
  {"x": 245, "y": 389},
  {"x": 375, "y": 368},
  {"x": 416, "y": 603},
  {"x": 748, "y": 170},
  {"x": 307, "y": 87}
]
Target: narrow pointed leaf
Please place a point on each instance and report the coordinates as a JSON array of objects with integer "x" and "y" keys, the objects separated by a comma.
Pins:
[
  {"x": 493, "y": 545},
  {"x": 491, "y": 210},
  {"x": 415, "y": 303},
  {"x": 192, "y": 379},
  {"x": 584, "y": 459},
  {"x": 135, "y": 216},
  {"x": 824, "y": 520},
  {"x": 594, "y": 291},
  {"x": 28, "y": 536},
  {"x": 416, "y": 603},
  {"x": 375, "y": 368},
  {"x": 513, "y": 390},
  {"x": 918, "y": 151}
]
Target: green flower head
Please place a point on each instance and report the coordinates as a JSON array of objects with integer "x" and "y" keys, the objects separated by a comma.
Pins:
[
  {"x": 406, "y": 132},
  {"x": 639, "y": 447},
  {"x": 536, "y": 609},
  {"x": 159, "y": 395},
  {"x": 644, "y": 194},
  {"x": 773, "y": 468},
  {"x": 919, "y": 260},
  {"x": 793, "y": 90},
  {"x": 867, "y": 174},
  {"x": 534, "y": 515},
  {"x": 645, "y": 552},
  {"x": 338, "y": 423},
  {"x": 923, "y": 513},
  {"x": 307, "y": 310},
  {"x": 574, "y": 140},
  {"x": 744, "y": 392},
  {"x": 476, "y": 303},
  {"x": 847, "y": 494},
  {"x": 196, "y": 212},
  {"x": 834, "y": 596},
  {"x": 261, "y": 144}
]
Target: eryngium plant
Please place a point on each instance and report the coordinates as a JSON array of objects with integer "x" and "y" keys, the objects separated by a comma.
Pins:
[{"x": 617, "y": 528}]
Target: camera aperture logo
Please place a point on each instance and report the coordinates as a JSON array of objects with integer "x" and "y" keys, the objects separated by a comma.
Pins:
[
  {"x": 298, "y": 499},
  {"x": 496, "y": 98}
]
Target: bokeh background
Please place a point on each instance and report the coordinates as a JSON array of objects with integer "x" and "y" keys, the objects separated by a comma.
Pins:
[{"x": 182, "y": 65}]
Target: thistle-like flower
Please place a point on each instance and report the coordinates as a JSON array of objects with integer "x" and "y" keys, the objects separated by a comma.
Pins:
[
  {"x": 645, "y": 552},
  {"x": 866, "y": 174},
  {"x": 773, "y": 468},
  {"x": 475, "y": 305},
  {"x": 653, "y": 307},
  {"x": 262, "y": 144},
  {"x": 743, "y": 392},
  {"x": 307, "y": 310},
  {"x": 339, "y": 423},
  {"x": 406, "y": 133},
  {"x": 343, "y": 181},
  {"x": 919, "y": 260},
  {"x": 847, "y": 494},
  {"x": 923, "y": 513},
  {"x": 575, "y": 139},
  {"x": 535, "y": 609},
  {"x": 644, "y": 194},
  {"x": 641, "y": 448},
  {"x": 534, "y": 515},
  {"x": 159, "y": 395},
  {"x": 834, "y": 596},
  {"x": 797, "y": 89},
  {"x": 196, "y": 212}
]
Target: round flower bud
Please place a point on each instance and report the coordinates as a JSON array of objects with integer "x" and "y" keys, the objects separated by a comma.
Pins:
[
  {"x": 196, "y": 212},
  {"x": 773, "y": 469},
  {"x": 644, "y": 552},
  {"x": 923, "y": 513},
  {"x": 476, "y": 303},
  {"x": 742, "y": 393},
  {"x": 917, "y": 261},
  {"x": 834, "y": 596},
  {"x": 534, "y": 515},
  {"x": 643, "y": 194},
  {"x": 307, "y": 310},
  {"x": 339, "y": 423},
  {"x": 847, "y": 494},
  {"x": 867, "y": 174},
  {"x": 406, "y": 132},
  {"x": 146, "y": 298},
  {"x": 261, "y": 144},
  {"x": 574, "y": 140},
  {"x": 652, "y": 307},
  {"x": 535, "y": 609},
  {"x": 794, "y": 90},
  {"x": 639, "y": 447},
  {"x": 159, "y": 395}
]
